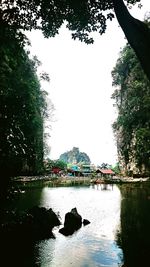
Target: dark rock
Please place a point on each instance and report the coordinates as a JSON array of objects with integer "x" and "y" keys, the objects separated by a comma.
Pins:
[
  {"x": 86, "y": 222},
  {"x": 73, "y": 221},
  {"x": 41, "y": 221},
  {"x": 44, "y": 216},
  {"x": 35, "y": 224}
]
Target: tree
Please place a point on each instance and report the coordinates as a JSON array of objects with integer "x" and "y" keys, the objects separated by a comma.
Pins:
[
  {"x": 132, "y": 98},
  {"x": 50, "y": 164},
  {"x": 82, "y": 17},
  {"x": 22, "y": 109},
  {"x": 104, "y": 166},
  {"x": 60, "y": 164},
  {"x": 136, "y": 32},
  {"x": 116, "y": 168}
]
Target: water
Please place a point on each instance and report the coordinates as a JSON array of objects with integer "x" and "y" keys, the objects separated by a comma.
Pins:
[
  {"x": 118, "y": 234},
  {"x": 93, "y": 245},
  {"x": 135, "y": 224}
]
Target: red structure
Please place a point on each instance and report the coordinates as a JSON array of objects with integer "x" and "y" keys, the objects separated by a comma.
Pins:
[
  {"x": 105, "y": 172},
  {"x": 56, "y": 170}
]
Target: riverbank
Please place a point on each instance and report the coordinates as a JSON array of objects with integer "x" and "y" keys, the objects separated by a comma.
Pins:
[{"x": 70, "y": 181}]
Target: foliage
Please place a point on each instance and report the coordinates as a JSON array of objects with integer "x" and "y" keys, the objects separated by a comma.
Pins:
[
  {"x": 132, "y": 99},
  {"x": 104, "y": 166},
  {"x": 60, "y": 164},
  {"x": 75, "y": 156},
  {"x": 116, "y": 168},
  {"x": 50, "y": 164},
  {"x": 23, "y": 106},
  {"x": 81, "y": 16}
]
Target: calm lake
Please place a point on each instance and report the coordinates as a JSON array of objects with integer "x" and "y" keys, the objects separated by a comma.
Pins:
[{"x": 118, "y": 235}]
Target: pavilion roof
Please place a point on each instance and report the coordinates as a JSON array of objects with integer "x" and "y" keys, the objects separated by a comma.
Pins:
[{"x": 106, "y": 171}]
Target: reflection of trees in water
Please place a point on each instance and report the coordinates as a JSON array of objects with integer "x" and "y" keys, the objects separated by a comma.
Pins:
[
  {"x": 17, "y": 252},
  {"x": 134, "y": 238}
]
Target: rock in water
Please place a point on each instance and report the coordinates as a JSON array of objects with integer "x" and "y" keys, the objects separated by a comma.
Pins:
[
  {"x": 86, "y": 222},
  {"x": 73, "y": 222}
]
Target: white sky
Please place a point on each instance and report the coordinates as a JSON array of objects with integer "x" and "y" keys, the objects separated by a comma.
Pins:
[{"x": 81, "y": 89}]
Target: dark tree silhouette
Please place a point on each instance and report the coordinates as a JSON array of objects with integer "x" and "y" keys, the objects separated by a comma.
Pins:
[
  {"x": 82, "y": 18},
  {"x": 23, "y": 108},
  {"x": 137, "y": 34}
]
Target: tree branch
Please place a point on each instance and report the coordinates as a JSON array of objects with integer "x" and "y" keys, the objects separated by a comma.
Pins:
[{"x": 137, "y": 34}]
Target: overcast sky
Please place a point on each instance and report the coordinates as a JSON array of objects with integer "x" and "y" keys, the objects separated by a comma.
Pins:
[{"x": 80, "y": 88}]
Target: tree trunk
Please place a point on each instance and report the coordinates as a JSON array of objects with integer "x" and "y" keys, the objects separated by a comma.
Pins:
[{"x": 137, "y": 34}]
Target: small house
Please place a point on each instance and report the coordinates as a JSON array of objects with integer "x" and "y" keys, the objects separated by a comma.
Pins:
[{"x": 105, "y": 173}]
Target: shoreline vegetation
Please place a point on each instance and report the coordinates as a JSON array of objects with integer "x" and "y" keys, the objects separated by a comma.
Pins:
[{"x": 47, "y": 180}]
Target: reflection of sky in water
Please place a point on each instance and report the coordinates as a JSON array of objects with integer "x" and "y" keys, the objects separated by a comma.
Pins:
[{"x": 94, "y": 244}]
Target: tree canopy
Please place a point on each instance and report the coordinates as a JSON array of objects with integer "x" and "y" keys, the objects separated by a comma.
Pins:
[
  {"x": 23, "y": 107},
  {"x": 132, "y": 99},
  {"x": 51, "y": 164},
  {"x": 82, "y": 17}
]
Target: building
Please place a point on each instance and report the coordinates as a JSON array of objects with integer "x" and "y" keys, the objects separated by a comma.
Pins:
[{"x": 105, "y": 173}]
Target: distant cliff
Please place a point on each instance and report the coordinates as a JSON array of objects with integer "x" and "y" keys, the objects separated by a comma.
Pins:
[{"x": 75, "y": 156}]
